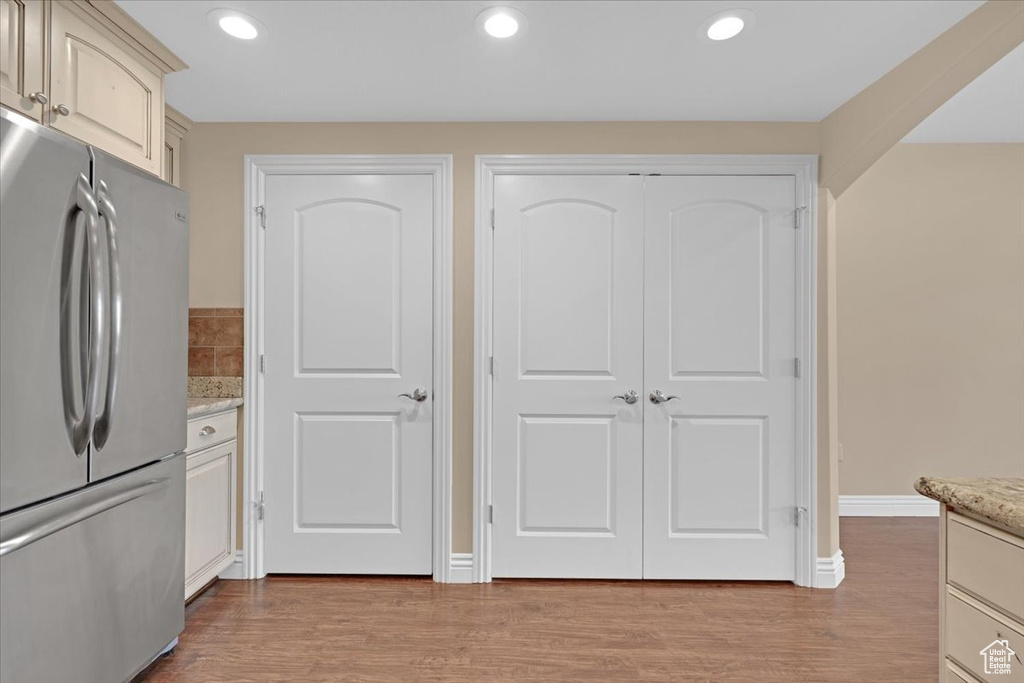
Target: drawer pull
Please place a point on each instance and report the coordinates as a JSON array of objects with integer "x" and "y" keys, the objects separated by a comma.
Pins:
[{"x": 207, "y": 430}]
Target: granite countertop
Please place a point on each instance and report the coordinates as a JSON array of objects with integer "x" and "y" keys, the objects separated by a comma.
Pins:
[
  {"x": 206, "y": 406},
  {"x": 998, "y": 500}
]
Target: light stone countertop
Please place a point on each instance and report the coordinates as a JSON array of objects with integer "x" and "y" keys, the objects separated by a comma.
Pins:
[
  {"x": 999, "y": 500},
  {"x": 205, "y": 406}
]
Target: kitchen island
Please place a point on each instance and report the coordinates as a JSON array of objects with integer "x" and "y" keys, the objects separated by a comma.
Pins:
[{"x": 981, "y": 577}]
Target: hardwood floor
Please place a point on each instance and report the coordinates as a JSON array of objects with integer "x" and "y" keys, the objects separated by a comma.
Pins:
[{"x": 880, "y": 625}]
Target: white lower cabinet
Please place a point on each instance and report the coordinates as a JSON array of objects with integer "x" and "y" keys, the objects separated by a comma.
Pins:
[
  {"x": 210, "y": 502},
  {"x": 981, "y": 603}
]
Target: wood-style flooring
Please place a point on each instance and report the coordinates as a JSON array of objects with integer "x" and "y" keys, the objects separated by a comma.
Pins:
[{"x": 880, "y": 625}]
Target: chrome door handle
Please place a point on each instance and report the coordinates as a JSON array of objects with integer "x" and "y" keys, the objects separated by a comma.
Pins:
[
  {"x": 207, "y": 431},
  {"x": 116, "y": 325},
  {"x": 39, "y": 98},
  {"x": 419, "y": 395},
  {"x": 61, "y": 110},
  {"x": 657, "y": 397},
  {"x": 629, "y": 397}
]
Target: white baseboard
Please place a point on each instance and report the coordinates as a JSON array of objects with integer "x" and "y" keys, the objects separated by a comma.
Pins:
[
  {"x": 831, "y": 571},
  {"x": 461, "y": 568},
  {"x": 235, "y": 570},
  {"x": 913, "y": 505}
]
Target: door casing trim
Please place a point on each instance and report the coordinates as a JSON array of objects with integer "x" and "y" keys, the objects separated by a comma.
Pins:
[
  {"x": 256, "y": 169},
  {"x": 804, "y": 167}
]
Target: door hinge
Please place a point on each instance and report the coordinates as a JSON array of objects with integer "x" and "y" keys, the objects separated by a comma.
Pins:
[
  {"x": 797, "y": 213},
  {"x": 492, "y": 219},
  {"x": 796, "y": 367},
  {"x": 262, "y": 213},
  {"x": 263, "y": 364},
  {"x": 490, "y": 361},
  {"x": 798, "y": 515},
  {"x": 260, "y": 507},
  {"x": 490, "y": 514}
]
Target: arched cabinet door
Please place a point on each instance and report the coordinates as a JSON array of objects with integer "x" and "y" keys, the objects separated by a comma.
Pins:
[{"x": 103, "y": 94}]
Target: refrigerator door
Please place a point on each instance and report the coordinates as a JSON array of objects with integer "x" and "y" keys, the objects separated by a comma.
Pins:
[
  {"x": 46, "y": 211},
  {"x": 93, "y": 583},
  {"x": 145, "y": 225}
]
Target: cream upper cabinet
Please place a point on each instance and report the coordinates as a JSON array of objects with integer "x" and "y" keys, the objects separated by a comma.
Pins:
[
  {"x": 86, "y": 68},
  {"x": 176, "y": 126},
  {"x": 22, "y": 56},
  {"x": 103, "y": 94}
]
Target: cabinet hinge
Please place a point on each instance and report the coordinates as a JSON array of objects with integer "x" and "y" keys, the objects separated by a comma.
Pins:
[
  {"x": 796, "y": 217},
  {"x": 796, "y": 367},
  {"x": 263, "y": 364},
  {"x": 262, "y": 213},
  {"x": 260, "y": 507},
  {"x": 798, "y": 514},
  {"x": 490, "y": 514},
  {"x": 490, "y": 362},
  {"x": 492, "y": 219}
]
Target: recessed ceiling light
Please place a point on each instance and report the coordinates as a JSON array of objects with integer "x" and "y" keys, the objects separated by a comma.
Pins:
[
  {"x": 238, "y": 27},
  {"x": 501, "y": 22},
  {"x": 236, "y": 24},
  {"x": 726, "y": 25},
  {"x": 723, "y": 29}
]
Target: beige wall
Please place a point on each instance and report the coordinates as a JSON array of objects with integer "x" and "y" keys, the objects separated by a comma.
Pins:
[
  {"x": 930, "y": 268},
  {"x": 212, "y": 174}
]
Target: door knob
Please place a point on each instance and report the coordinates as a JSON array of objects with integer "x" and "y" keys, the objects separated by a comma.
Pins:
[
  {"x": 60, "y": 109},
  {"x": 39, "y": 98},
  {"x": 629, "y": 397},
  {"x": 657, "y": 397},
  {"x": 419, "y": 394}
]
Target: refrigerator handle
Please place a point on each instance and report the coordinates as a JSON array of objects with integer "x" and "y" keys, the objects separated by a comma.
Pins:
[
  {"x": 80, "y": 427},
  {"x": 15, "y": 534},
  {"x": 116, "y": 323}
]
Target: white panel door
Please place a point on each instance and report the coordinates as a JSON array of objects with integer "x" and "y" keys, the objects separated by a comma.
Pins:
[
  {"x": 348, "y": 328},
  {"x": 719, "y": 460},
  {"x": 566, "y": 482}
]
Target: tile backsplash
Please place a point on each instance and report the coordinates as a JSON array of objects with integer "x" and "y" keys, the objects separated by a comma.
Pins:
[{"x": 215, "y": 339}]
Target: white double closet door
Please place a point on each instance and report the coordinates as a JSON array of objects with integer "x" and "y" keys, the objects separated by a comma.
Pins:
[{"x": 606, "y": 285}]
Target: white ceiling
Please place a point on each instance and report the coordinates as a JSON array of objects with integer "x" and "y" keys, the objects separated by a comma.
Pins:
[
  {"x": 991, "y": 109},
  {"x": 580, "y": 60}
]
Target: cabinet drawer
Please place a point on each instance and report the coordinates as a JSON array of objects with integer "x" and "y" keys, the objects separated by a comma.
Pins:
[
  {"x": 209, "y": 515},
  {"x": 971, "y": 627},
  {"x": 986, "y": 562},
  {"x": 210, "y": 430}
]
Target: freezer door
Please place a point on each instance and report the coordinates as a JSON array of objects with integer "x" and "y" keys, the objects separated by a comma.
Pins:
[
  {"x": 145, "y": 225},
  {"x": 45, "y": 212},
  {"x": 93, "y": 584}
]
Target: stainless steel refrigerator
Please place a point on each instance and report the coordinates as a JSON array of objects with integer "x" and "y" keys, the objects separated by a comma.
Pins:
[{"x": 93, "y": 335}]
